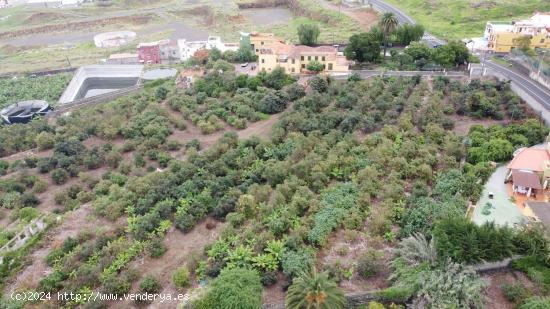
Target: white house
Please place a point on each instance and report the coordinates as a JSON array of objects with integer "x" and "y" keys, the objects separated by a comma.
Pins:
[{"x": 188, "y": 48}]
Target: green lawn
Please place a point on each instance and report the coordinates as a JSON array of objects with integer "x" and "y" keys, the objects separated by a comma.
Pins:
[{"x": 458, "y": 19}]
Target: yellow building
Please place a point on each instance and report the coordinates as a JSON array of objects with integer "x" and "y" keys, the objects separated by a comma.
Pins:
[
  {"x": 262, "y": 40},
  {"x": 295, "y": 58},
  {"x": 503, "y": 37}
]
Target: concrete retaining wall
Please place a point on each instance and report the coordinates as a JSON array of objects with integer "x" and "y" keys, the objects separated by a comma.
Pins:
[
  {"x": 87, "y": 102},
  {"x": 20, "y": 239},
  {"x": 97, "y": 72}
]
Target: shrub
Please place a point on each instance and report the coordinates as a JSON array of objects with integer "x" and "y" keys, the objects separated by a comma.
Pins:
[
  {"x": 40, "y": 186},
  {"x": 464, "y": 241},
  {"x": 336, "y": 204},
  {"x": 268, "y": 278},
  {"x": 369, "y": 263},
  {"x": 27, "y": 214},
  {"x": 60, "y": 176},
  {"x": 45, "y": 140},
  {"x": 157, "y": 248},
  {"x": 295, "y": 262},
  {"x": 10, "y": 200},
  {"x": 514, "y": 292},
  {"x": 161, "y": 93},
  {"x": 180, "y": 277},
  {"x": 314, "y": 66},
  {"x": 536, "y": 303},
  {"x": 318, "y": 84},
  {"x": 150, "y": 284},
  {"x": 234, "y": 288}
]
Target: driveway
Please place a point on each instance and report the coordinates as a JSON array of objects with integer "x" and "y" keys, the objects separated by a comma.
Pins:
[{"x": 503, "y": 211}]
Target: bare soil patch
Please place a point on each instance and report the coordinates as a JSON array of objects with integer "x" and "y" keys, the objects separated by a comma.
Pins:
[
  {"x": 347, "y": 249},
  {"x": 181, "y": 247},
  {"x": 494, "y": 291},
  {"x": 82, "y": 25},
  {"x": 463, "y": 123},
  {"x": 79, "y": 220},
  {"x": 44, "y": 17}
]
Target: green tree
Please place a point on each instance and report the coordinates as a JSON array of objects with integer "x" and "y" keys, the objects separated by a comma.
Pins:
[
  {"x": 388, "y": 23},
  {"x": 407, "y": 33},
  {"x": 452, "y": 53},
  {"x": 315, "y": 66},
  {"x": 308, "y": 34},
  {"x": 523, "y": 43},
  {"x": 316, "y": 291},
  {"x": 419, "y": 51},
  {"x": 363, "y": 47}
]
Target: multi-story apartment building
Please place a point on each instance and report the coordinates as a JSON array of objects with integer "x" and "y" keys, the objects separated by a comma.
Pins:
[{"x": 503, "y": 37}]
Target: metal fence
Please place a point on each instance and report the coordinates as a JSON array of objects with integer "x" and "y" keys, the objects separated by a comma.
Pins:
[{"x": 536, "y": 64}]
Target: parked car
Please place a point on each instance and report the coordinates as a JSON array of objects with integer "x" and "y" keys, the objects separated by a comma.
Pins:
[{"x": 244, "y": 65}]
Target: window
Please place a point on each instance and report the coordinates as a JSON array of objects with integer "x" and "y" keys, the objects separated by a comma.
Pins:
[
  {"x": 292, "y": 60},
  {"x": 257, "y": 50},
  {"x": 302, "y": 58},
  {"x": 330, "y": 66},
  {"x": 292, "y": 70},
  {"x": 316, "y": 58},
  {"x": 323, "y": 59},
  {"x": 542, "y": 40},
  {"x": 303, "y": 66},
  {"x": 308, "y": 57},
  {"x": 263, "y": 60},
  {"x": 324, "y": 66},
  {"x": 262, "y": 43}
]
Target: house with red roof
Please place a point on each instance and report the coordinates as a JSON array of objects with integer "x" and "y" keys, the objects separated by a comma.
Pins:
[{"x": 529, "y": 170}]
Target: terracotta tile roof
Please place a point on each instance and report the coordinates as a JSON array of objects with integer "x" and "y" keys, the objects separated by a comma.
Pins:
[
  {"x": 299, "y": 50},
  {"x": 531, "y": 159},
  {"x": 541, "y": 210}
]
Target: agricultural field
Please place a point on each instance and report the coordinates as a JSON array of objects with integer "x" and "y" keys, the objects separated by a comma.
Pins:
[
  {"x": 459, "y": 19},
  {"x": 45, "y": 38},
  {"x": 48, "y": 88},
  {"x": 256, "y": 179}
]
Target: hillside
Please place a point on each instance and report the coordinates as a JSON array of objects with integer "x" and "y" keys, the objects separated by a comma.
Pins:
[{"x": 458, "y": 19}]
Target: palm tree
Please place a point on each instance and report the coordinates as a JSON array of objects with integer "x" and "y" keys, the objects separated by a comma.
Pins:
[
  {"x": 314, "y": 291},
  {"x": 388, "y": 23}
]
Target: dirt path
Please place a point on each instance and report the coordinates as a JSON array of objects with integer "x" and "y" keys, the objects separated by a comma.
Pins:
[
  {"x": 364, "y": 16},
  {"x": 75, "y": 222}
]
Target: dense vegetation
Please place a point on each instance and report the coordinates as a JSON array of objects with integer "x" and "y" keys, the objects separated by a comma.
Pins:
[
  {"x": 47, "y": 88},
  {"x": 283, "y": 196}
]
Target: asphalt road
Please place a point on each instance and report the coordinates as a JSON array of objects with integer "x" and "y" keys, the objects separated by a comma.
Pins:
[
  {"x": 533, "y": 88},
  {"x": 536, "y": 90},
  {"x": 404, "y": 19}
]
